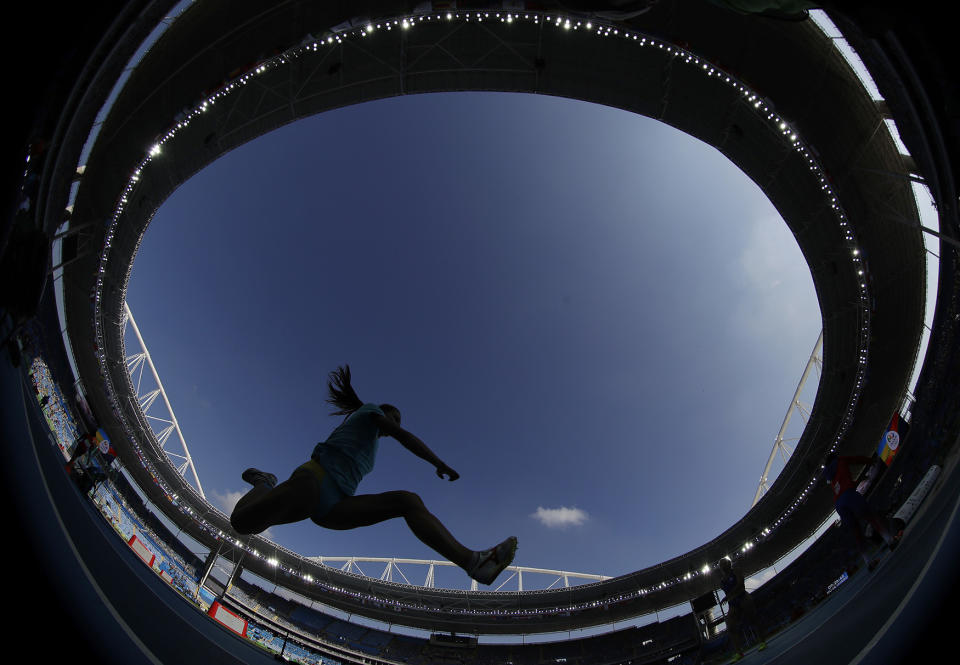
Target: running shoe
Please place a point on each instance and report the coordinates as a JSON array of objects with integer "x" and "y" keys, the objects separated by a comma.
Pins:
[
  {"x": 256, "y": 477},
  {"x": 763, "y": 645},
  {"x": 491, "y": 563}
]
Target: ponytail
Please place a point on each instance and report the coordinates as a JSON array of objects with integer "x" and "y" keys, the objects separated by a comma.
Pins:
[{"x": 342, "y": 394}]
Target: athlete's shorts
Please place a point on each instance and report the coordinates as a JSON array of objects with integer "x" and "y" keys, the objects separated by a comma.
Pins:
[{"x": 330, "y": 492}]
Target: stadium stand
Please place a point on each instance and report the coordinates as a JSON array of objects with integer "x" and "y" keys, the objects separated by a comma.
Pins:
[
  {"x": 798, "y": 589},
  {"x": 310, "y": 619}
]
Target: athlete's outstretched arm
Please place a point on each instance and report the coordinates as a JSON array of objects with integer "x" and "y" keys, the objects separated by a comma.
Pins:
[{"x": 414, "y": 445}]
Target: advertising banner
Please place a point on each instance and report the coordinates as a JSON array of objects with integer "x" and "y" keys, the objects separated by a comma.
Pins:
[
  {"x": 142, "y": 551},
  {"x": 918, "y": 495},
  {"x": 229, "y": 619}
]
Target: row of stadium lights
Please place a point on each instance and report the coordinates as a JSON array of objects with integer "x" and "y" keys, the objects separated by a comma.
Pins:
[{"x": 760, "y": 105}]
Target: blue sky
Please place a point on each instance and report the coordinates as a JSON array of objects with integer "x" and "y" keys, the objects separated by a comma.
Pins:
[{"x": 586, "y": 313}]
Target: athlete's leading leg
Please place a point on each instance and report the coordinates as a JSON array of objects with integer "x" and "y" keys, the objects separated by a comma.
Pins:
[
  {"x": 364, "y": 510},
  {"x": 264, "y": 506},
  {"x": 367, "y": 509}
]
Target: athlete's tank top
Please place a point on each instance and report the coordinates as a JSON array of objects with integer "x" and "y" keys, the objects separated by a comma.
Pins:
[{"x": 350, "y": 451}]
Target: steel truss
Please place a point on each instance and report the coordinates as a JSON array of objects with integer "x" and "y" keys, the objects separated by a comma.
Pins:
[
  {"x": 417, "y": 58},
  {"x": 779, "y": 444},
  {"x": 181, "y": 461},
  {"x": 392, "y": 572}
]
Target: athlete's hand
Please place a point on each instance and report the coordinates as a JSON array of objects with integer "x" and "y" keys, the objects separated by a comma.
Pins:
[{"x": 444, "y": 470}]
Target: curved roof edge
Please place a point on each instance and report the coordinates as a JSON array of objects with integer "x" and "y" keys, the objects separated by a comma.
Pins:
[{"x": 842, "y": 142}]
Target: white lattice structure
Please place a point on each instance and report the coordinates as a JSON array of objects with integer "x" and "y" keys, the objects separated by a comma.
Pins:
[
  {"x": 780, "y": 443},
  {"x": 391, "y": 571},
  {"x": 162, "y": 424}
]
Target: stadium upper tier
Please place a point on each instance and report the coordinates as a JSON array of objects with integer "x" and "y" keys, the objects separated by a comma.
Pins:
[{"x": 775, "y": 97}]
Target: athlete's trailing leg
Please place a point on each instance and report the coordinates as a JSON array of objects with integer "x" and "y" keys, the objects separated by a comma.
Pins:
[{"x": 266, "y": 505}]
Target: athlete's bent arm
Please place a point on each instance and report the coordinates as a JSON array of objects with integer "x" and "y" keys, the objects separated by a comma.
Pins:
[{"x": 414, "y": 445}]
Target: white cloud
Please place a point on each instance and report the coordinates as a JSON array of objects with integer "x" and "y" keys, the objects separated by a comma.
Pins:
[
  {"x": 228, "y": 500},
  {"x": 778, "y": 304},
  {"x": 560, "y": 518}
]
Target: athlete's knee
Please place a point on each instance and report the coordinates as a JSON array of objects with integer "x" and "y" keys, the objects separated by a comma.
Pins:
[
  {"x": 241, "y": 524},
  {"x": 407, "y": 502},
  {"x": 238, "y": 525}
]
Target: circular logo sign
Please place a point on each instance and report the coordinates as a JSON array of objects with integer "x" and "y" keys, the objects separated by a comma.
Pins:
[{"x": 893, "y": 440}]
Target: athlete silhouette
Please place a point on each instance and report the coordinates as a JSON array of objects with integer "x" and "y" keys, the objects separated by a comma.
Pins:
[{"x": 323, "y": 489}]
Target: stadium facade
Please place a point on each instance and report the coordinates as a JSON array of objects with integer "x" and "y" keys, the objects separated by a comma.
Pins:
[{"x": 774, "y": 96}]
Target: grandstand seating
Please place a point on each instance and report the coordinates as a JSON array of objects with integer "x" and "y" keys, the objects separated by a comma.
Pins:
[
  {"x": 374, "y": 641},
  {"x": 310, "y": 619},
  {"x": 345, "y": 631},
  {"x": 56, "y": 409}
]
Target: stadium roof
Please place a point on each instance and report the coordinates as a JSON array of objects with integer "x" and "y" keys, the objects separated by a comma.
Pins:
[{"x": 775, "y": 97}]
